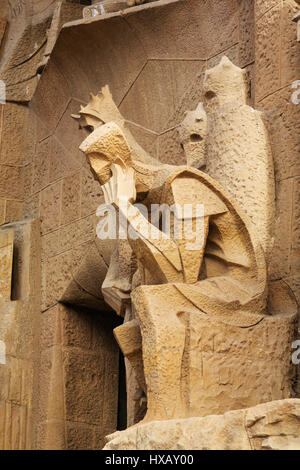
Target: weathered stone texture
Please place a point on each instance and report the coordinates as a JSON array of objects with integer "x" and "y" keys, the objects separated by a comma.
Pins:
[
  {"x": 15, "y": 139},
  {"x": 169, "y": 148},
  {"x": 19, "y": 330},
  {"x": 3, "y": 22},
  {"x": 11, "y": 182},
  {"x": 246, "y": 32},
  {"x": 280, "y": 260},
  {"x": 290, "y": 49},
  {"x": 162, "y": 62},
  {"x": 276, "y": 68},
  {"x": 267, "y": 53},
  {"x": 58, "y": 273},
  {"x": 209, "y": 40},
  {"x": 283, "y": 118},
  {"x": 6, "y": 256},
  {"x": 146, "y": 138},
  {"x": 14, "y": 211},
  {"x": 70, "y": 199},
  {"x": 157, "y": 114},
  {"x": 272, "y": 426},
  {"x": 41, "y": 166},
  {"x": 2, "y": 211},
  {"x": 262, "y": 6},
  {"x": 76, "y": 414},
  {"x": 51, "y": 207},
  {"x": 295, "y": 228},
  {"x": 78, "y": 232},
  {"x": 277, "y": 51}
]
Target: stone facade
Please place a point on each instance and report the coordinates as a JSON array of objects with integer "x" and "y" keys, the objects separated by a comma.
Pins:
[{"x": 59, "y": 383}]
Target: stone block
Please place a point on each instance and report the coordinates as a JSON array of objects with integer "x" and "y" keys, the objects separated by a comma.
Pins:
[
  {"x": 273, "y": 426},
  {"x": 91, "y": 193},
  {"x": 15, "y": 385},
  {"x": 2, "y": 211},
  {"x": 3, "y": 23},
  {"x": 261, "y": 7},
  {"x": 18, "y": 427},
  {"x": 290, "y": 48},
  {"x": 145, "y": 138},
  {"x": 41, "y": 165},
  {"x": 14, "y": 211},
  {"x": 70, "y": 208},
  {"x": 156, "y": 104},
  {"x": 76, "y": 327},
  {"x": 51, "y": 435},
  {"x": 280, "y": 258},
  {"x": 79, "y": 436},
  {"x": 51, "y": 385},
  {"x": 58, "y": 164},
  {"x": 267, "y": 53},
  {"x": 69, "y": 135},
  {"x": 50, "y": 328},
  {"x": 84, "y": 384},
  {"x": 200, "y": 33},
  {"x": 6, "y": 260},
  {"x": 31, "y": 207},
  {"x": 169, "y": 149},
  {"x": 49, "y": 103},
  {"x": 50, "y": 208},
  {"x": 283, "y": 118},
  {"x": 247, "y": 36},
  {"x": 15, "y": 126},
  {"x": 77, "y": 233},
  {"x": 57, "y": 272},
  {"x": 11, "y": 186},
  {"x": 295, "y": 248},
  {"x": 50, "y": 244},
  {"x": 5, "y": 373}
]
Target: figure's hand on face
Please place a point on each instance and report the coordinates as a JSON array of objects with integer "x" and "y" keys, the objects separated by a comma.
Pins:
[
  {"x": 103, "y": 147},
  {"x": 121, "y": 186}
]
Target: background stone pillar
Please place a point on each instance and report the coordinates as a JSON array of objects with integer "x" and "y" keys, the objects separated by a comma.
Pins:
[{"x": 277, "y": 68}]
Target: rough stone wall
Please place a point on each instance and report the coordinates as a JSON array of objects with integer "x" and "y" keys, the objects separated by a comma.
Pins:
[
  {"x": 277, "y": 66},
  {"x": 19, "y": 333},
  {"x": 78, "y": 379},
  {"x": 155, "y": 75}
]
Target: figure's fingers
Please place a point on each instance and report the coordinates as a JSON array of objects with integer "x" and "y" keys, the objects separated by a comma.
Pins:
[{"x": 118, "y": 172}]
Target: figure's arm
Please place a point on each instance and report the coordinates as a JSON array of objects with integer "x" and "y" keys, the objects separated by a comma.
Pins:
[
  {"x": 157, "y": 253},
  {"x": 153, "y": 248}
]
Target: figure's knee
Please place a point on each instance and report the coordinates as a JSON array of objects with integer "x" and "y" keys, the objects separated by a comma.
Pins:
[
  {"x": 157, "y": 308},
  {"x": 151, "y": 297}
]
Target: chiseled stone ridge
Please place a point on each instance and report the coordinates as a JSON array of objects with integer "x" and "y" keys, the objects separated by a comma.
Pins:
[{"x": 270, "y": 426}]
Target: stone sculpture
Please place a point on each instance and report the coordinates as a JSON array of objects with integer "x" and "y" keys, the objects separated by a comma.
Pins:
[{"x": 197, "y": 330}]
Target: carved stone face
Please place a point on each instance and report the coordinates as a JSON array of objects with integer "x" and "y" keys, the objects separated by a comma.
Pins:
[
  {"x": 192, "y": 133},
  {"x": 104, "y": 146},
  {"x": 224, "y": 83}
]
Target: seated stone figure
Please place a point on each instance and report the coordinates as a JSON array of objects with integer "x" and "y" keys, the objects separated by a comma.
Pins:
[{"x": 199, "y": 335}]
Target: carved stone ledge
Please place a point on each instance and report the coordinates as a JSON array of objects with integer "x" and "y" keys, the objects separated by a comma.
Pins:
[{"x": 268, "y": 426}]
